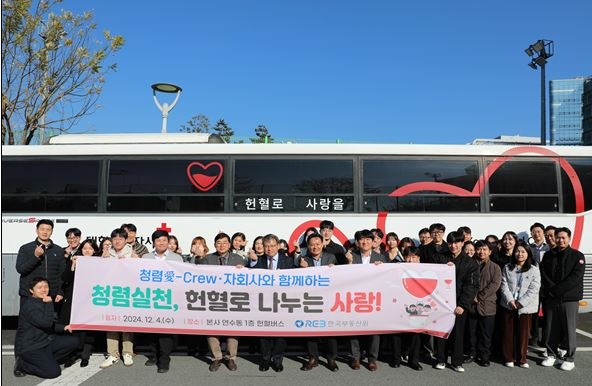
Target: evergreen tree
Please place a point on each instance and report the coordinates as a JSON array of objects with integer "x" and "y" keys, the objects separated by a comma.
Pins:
[{"x": 223, "y": 130}]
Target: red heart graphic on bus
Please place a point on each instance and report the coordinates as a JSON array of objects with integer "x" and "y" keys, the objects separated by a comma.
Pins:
[
  {"x": 204, "y": 177},
  {"x": 484, "y": 179}
]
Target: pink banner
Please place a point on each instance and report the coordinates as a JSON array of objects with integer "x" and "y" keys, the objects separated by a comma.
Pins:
[{"x": 141, "y": 295}]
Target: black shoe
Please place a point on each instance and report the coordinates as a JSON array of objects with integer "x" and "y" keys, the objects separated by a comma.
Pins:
[
  {"x": 332, "y": 365},
  {"x": 277, "y": 367},
  {"x": 70, "y": 361},
  {"x": 17, "y": 368},
  {"x": 264, "y": 366},
  {"x": 150, "y": 362},
  {"x": 469, "y": 359},
  {"x": 416, "y": 366},
  {"x": 395, "y": 365},
  {"x": 163, "y": 369},
  {"x": 484, "y": 363},
  {"x": 84, "y": 363}
]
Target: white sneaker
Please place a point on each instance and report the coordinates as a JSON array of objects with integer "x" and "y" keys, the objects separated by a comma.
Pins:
[
  {"x": 509, "y": 364},
  {"x": 524, "y": 365},
  {"x": 127, "y": 359},
  {"x": 110, "y": 361},
  {"x": 561, "y": 352},
  {"x": 458, "y": 369},
  {"x": 550, "y": 361},
  {"x": 567, "y": 366},
  {"x": 440, "y": 366}
]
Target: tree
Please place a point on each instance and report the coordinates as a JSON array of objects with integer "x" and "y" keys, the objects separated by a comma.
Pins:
[
  {"x": 197, "y": 124},
  {"x": 53, "y": 68},
  {"x": 262, "y": 135},
  {"x": 223, "y": 130}
]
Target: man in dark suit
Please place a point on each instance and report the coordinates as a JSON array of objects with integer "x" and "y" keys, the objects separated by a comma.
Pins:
[
  {"x": 315, "y": 257},
  {"x": 365, "y": 255},
  {"x": 222, "y": 256},
  {"x": 161, "y": 344},
  {"x": 272, "y": 349}
]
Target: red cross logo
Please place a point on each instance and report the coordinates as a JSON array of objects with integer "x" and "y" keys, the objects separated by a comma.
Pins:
[{"x": 163, "y": 227}]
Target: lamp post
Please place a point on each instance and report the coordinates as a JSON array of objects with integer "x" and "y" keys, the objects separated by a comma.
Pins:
[
  {"x": 165, "y": 107},
  {"x": 539, "y": 52}
]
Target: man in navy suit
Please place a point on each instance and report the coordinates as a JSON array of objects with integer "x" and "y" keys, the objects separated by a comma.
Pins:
[
  {"x": 315, "y": 257},
  {"x": 365, "y": 255},
  {"x": 272, "y": 349}
]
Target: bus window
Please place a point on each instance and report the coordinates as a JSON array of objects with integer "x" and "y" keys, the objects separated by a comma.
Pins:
[
  {"x": 523, "y": 186},
  {"x": 48, "y": 186},
  {"x": 166, "y": 186},
  {"x": 524, "y": 177},
  {"x": 293, "y": 176},
  {"x": 165, "y": 204},
  {"x": 523, "y": 204},
  {"x": 293, "y": 185},
  {"x": 583, "y": 168},
  {"x": 421, "y": 203},
  {"x": 381, "y": 177}
]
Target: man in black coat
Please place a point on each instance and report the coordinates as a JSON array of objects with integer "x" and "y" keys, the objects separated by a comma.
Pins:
[
  {"x": 467, "y": 286},
  {"x": 41, "y": 258},
  {"x": 562, "y": 287},
  {"x": 38, "y": 346}
]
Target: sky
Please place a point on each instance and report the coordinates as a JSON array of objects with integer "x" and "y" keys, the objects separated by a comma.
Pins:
[{"x": 431, "y": 71}]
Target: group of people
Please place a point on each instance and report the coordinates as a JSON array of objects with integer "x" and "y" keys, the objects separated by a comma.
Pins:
[{"x": 501, "y": 287}]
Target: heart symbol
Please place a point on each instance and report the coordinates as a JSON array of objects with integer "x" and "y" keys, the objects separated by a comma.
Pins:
[
  {"x": 204, "y": 177},
  {"x": 484, "y": 179}
]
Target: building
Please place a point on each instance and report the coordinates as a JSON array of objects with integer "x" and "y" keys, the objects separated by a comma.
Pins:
[
  {"x": 566, "y": 112},
  {"x": 587, "y": 113},
  {"x": 507, "y": 140}
]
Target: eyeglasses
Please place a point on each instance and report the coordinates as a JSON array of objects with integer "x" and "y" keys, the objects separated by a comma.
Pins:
[
  {"x": 72, "y": 238},
  {"x": 437, "y": 232}
]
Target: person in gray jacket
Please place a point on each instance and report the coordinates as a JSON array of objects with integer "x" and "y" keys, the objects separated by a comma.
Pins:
[
  {"x": 222, "y": 256},
  {"x": 521, "y": 282},
  {"x": 162, "y": 344}
]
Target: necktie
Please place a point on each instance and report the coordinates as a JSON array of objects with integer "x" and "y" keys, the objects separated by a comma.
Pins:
[{"x": 270, "y": 263}]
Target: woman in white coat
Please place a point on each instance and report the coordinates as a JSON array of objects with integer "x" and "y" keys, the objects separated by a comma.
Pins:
[{"x": 521, "y": 282}]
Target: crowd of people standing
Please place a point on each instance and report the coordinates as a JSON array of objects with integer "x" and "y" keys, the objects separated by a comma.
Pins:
[{"x": 509, "y": 294}]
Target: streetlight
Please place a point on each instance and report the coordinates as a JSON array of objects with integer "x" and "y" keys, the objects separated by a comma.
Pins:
[
  {"x": 540, "y": 51},
  {"x": 165, "y": 107}
]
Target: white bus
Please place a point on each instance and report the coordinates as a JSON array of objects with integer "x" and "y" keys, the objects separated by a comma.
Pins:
[{"x": 191, "y": 186}]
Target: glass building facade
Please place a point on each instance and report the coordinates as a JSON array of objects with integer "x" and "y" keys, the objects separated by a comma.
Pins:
[
  {"x": 587, "y": 112},
  {"x": 567, "y": 110}
]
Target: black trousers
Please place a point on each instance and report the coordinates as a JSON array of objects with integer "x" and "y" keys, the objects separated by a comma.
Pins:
[
  {"x": 330, "y": 347},
  {"x": 161, "y": 346},
  {"x": 411, "y": 342},
  {"x": 455, "y": 340},
  {"x": 273, "y": 349},
  {"x": 480, "y": 332},
  {"x": 45, "y": 362}
]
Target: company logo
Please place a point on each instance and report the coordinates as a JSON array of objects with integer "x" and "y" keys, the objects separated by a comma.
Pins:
[{"x": 310, "y": 323}]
